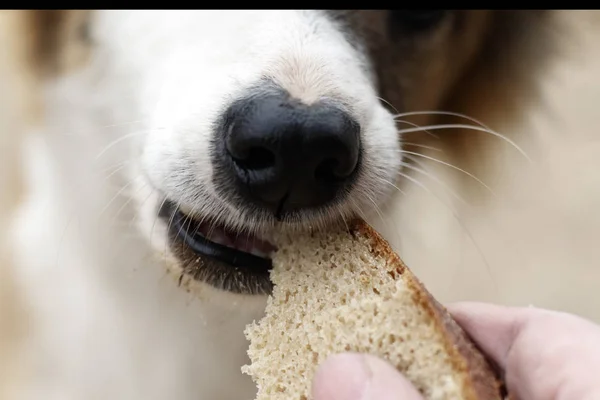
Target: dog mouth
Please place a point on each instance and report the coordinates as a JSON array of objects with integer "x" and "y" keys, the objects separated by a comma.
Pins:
[{"x": 205, "y": 238}]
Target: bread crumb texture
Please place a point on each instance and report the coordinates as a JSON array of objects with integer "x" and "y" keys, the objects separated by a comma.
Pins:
[{"x": 347, "y": 292}]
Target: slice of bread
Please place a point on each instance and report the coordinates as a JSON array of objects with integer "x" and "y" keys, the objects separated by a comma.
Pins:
[{"x": 348, "y": 291}]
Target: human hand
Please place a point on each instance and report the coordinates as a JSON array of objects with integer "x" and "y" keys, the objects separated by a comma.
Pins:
[{"x": 544, "y": 355}]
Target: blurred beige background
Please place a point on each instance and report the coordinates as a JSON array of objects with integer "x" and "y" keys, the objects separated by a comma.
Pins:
[{"x": 538, "y": 242}]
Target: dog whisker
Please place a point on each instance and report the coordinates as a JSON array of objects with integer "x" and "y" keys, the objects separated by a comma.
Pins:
[
  {"x": 412, "y": 154},
  {"x": 378, "y": 210},
  {"x": 457, "y": 218},
  {"x": 449, "y": 113},
  {"x": 421, "y": 146},
  {"x": 357, "y": 208},
  {"x": 343, "y": 218},
  {"x": 116, "y": 170},
  {"x": 120, "y": 192},
  {"x": 395, "y": 231},
  {"x": 157, "y": 215},
  {"x": 416, "y": 127},
  {"x": 169, "y": 224},
  {"x": 468, "y": 128},
  {"x": 436, "y": 180},
  {"x": 390, "y": 105},
  {"x": 117, "y": 165},
  {"x": 120, "y": 124},
  {"x": 120, "y": 140},
  {"x": 129, "y": 201},
  {"x": 394, "y": 186}
]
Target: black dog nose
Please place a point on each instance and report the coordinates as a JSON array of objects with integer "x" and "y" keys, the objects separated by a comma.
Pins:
[{"x": 288, "y": 156}]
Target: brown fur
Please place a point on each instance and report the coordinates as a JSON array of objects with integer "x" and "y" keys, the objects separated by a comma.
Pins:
[
  {"x": 491, "y": 73},
  {"x": 501, "y": 84},
  {"x": 59, "y": 40},
  {"x": 484, "y": 64}
]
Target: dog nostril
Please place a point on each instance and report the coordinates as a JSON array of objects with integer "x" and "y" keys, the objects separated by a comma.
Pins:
[{"x": 257, "y": 158}]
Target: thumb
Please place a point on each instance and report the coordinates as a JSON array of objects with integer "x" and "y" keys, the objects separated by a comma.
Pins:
[{"x": 361, "y": 377}]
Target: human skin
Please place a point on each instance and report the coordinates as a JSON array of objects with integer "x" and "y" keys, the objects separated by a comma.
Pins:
[{"x": 544, "y": 355}]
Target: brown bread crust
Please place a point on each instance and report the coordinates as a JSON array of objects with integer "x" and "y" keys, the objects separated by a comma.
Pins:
[{"x": 480, "y": 379}]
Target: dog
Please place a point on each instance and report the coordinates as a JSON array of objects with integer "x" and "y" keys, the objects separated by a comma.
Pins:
[{"x": 174, "y": 146}]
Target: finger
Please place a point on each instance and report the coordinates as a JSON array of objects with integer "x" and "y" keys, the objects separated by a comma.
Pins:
[
  {"x": 494, "y": 328},
  {"x": 361, "y": 377},
  {"x": 545, "y": 354}
]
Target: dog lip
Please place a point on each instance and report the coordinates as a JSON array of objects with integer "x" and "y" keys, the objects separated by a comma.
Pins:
[{"x": 197, "y": 237}]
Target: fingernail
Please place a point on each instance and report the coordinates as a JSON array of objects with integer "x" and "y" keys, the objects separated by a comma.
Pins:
[
  {"x": 361, "y": 377},
  {"x": 342, "y": 377},
  {"x": 386, "y": 383}
]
